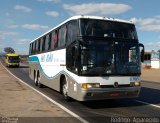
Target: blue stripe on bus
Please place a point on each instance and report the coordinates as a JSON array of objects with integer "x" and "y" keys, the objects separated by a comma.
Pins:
[{"x": 35, "y": 59}]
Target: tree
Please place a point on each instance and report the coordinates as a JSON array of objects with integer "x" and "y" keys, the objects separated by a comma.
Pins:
[{"x": 9, "y": 50}]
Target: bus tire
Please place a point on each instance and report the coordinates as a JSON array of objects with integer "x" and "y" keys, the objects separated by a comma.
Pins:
[
  {"x": 38, "y": 80},
  {"x": 65, "y": 90},
  {"x": 35, "y": 78}
]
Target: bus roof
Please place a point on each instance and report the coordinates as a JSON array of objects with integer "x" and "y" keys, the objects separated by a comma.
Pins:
[
  {"x": 99, "y": 18},
  {"x": 85, "y": 17},
  {"x": 12, "y": 54}
]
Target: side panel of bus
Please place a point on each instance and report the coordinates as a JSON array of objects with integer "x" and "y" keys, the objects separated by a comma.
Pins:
[{"x": 50, "y": 65}]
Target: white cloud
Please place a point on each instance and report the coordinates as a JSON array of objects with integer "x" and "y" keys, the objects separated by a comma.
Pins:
[
  {"x": 35, "y": 27},
  {"x": 97, "y": 8},
  {"x": 13, "y": 26},
  {"x": 134, "y": 20},
  {"x": 151, "y": 27},
  {"x": 7, "y": 14},
  {"x": 23, "y": 8},
  {"x": 146, "y": 21},
  {"x": 54, "y": 1},
  {"x": 5, "y": 34},
  {"x": 52, "y": 13},
  {"x": 148, "y": 24},
  {"x": 152, "y": 45},
  {"x": 23, "y": 41}
]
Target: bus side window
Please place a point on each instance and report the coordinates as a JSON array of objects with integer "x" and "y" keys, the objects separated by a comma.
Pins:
[
  {"x": 52, "y": 40},
  {"x": 30, "y": 48},
  {"x": 55, "y": 39},
  {"x": 39, "y": 44},
  {"x": 41, "y": 40},
  {"x": 33, "y": 48},
  {"x": 49, "y": 41},
  {"x": 46, "y": 42},
  {"x": 62, "y": 36},
  {"x": 71, "y": 32},
  {"x": 72, "y": 58},
  {"x": 43, "y": 43}
]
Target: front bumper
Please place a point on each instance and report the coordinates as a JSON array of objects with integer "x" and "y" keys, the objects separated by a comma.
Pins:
[
  {"x": 13, "y": 64},
  {"x": 108, "y": 93}
]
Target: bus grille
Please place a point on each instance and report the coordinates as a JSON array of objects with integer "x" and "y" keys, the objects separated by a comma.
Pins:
[{"x": 112, "y": 86}]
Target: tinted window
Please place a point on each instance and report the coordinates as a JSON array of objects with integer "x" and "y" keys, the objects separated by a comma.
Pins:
[
  {"x": 36, "y": 50},
  {"x": 62, "y": 36},
  {"x": 52, "y": 40},
  {"x": 49, "y": 41},
  {"x": 43, "y": 43},
  {"x": 103, "y": 28},
  {"x": 39, "y": 44},
  {"x": 72, "y": 31},
  {"x": 30, "y": 48},
  {"x": 56, "y": 39},
  {"x": 33, "y": 48}
]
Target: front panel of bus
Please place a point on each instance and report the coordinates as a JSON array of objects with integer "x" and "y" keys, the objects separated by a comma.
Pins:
[
  {"x": 12, "y": 60},
  {"x": 107, "y": 55}
]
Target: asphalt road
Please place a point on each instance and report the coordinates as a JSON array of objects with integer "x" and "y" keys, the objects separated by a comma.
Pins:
[{"x": 147, "y": 105}]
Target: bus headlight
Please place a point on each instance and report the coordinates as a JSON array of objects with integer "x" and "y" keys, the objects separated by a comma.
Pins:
[
  {"x": 90, "y": 85},
  {"x": 135, "y": 83}
]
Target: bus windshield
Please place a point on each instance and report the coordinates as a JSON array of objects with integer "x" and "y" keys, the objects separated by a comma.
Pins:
[
  {"x": 103, "y": 28},
  {"x": 13, "y": 59},
  {"x": 109, "y": 58}
]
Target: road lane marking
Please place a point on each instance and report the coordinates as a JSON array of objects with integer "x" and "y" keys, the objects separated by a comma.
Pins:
[
  {"x": 148, "y": 103},
  {"x": 48, "y": 98}
]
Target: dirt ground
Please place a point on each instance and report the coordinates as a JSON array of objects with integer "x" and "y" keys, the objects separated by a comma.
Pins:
[
  {"x": 18, "y": 100},
  {"x": 151, "y": 75}
]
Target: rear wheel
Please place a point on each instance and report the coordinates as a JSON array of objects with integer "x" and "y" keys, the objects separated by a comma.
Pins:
[
  {"x": 38, "y": 80},
  {"x": 65, "y": 90},
  {"x": 35, "y": 78}
]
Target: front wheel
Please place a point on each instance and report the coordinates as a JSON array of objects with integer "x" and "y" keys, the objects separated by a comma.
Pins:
[{"x": 65, "y": 90}]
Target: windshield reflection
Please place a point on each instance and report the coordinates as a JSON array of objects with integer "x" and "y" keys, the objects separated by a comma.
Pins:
[
  {"x": 109, "y": 58},
  {"x": 103, "y": 28}
]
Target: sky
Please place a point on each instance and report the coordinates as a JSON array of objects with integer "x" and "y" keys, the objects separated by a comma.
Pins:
[{"x": 23, "y": 20}]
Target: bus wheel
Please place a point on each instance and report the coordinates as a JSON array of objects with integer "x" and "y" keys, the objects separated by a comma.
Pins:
[
  {"x": 35, "y": 78},
  {"x": 65, "y": 90},
  {"x": 38, "y": 80}
]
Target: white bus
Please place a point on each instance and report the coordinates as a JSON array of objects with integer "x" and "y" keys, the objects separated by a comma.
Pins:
[{"x": 88, "y": 58}]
